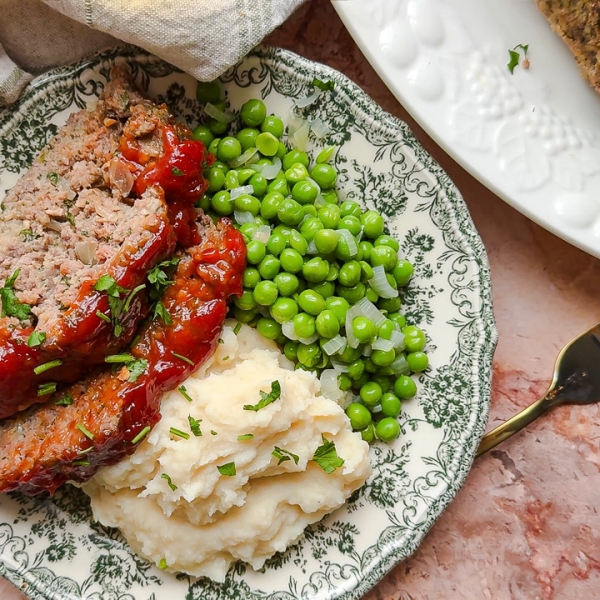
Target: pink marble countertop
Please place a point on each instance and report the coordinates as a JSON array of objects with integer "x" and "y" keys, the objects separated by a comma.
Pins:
[{"x": 524, "y": 526}]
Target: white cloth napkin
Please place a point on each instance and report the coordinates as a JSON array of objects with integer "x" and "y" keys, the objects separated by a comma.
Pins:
[{"x": 202, "y": 37}]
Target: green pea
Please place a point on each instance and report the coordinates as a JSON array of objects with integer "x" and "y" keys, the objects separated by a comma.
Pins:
[
  {"x": 315, "y": 269},
  {"x": 350, "y": 273},
  {"x": 353, "y": 293},
  {"x": 417, "y": 361},
  {"x": 251, "y": 277},
  {"x": 245, "y": 301},
  {"x": 249, "y": 230},
  {"x": 270, "y": 204},
  {"x": 276, "y": 244},
  {"x": 287, "y": 283},
  {"x": 405, "y": 387},
  {"x": 351, "y": 223},
  {"x": 268, "y": 328},
  {"x": 370, "y": 366},
  {"x": 390, "y": 405},
  {"x": 325, "y": 175},
  {"x": 339, "y": 307},
  {"x": 311, "y": 302},
  {"x": 204, "y": 203},
  {"x": 388, "y": 240},
  {"x": 244, "y": 174},
  {"x": 267, "y": 144},
  {"x": 285, "y": 231},
  {"x": 229, "y": 149},
  {"x": 243, "y": 316},
  {"x": 216, "y": 179},
  {"x": 280, "y": 186},
  {"x": 402, "y": 272},
  {"x": 309, "y": 355},
  {"x": 392, "y": 305},
  {"x": 247, "y": 138},
  {"x": 231, "y": 180},
  {"x": 398, "y": 319},
  {"x": 247, "y": 203},
  {"x": 291, "y": 260},
  {"x": 342, "y": 250},
  {"x": 384, "y": 256},
  {"x": 364, "y": 329},
  {"x": 366, "y": 248},
  {"x": 255, "y": 251},
  {"x": 326, "y": 240},
  {"x": 327, "y": 324},
  {"x": 350, "y": 208},
  {"x": 370, "y": 393},
  {"x": 310, "y": 227},
  {"x": 222, "y": 203},
  {"x": 373, "y": 224},
  {"x": 305, "y": 192},
  {"x": 298, "y": 242},
  {"x": 325, "y": 155},
  {"x": 388, "y": 429},
  {"x": 223, "y": 166},
  {"x": 281, "y": 151},
  {"x": 269, "y": 267},
  {"x": 383, "y": 358},
  {"x": 217, "y": 127},
  {"x": 371, "y": 295},
  {"x": 259, "y": 184},
  {"x": 265, "y": 293},
  {"x": 295, "y": 156},
  {"x": 304, "y": 325},
  {"x": 330, "y": 196},
  {"x": 325, "y": 288},
  {"x": 344, "y": 382},
  {"x": 349, "y": 354},
  {"x": 333, "y": 274},
  {"x": 386, "y": 329},
  {"x": 253, "y": 112},
  {"x": 309, "y": 210},
  {"x": 297, "y": 172},
  {"x": 208, "y": 91},
  {"x": 414, "y": 338},
  {"x": 368, "y": 433},
  {"x": 284, "y": 309},
  {"x": 272, "y": 125},
  {"x": 203, "y": 134},
  {"x": 330, "y": 216},
  {"x": 214, "y": 145},
  {"x": 366, "y": 271},
  {"x": 291, "y": 351},
  {"x": 290, "y": 212},
  {"x": 359, "y": 415},
  {"x": 356, "y": 369}
]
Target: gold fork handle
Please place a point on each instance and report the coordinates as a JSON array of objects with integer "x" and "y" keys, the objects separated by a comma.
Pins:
[{"x": 516, "y": 423}]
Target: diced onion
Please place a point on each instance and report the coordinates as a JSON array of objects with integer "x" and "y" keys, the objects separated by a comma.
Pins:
[
  {"x": 381, "y": 285},
  {"x": 334, "y": 345},
  {"x": 382, "y": 344},
  {"x": 218, "y": 115},
  {"x": 360, "y": 234},
  {"x": 367, "y": 351},
  {"x": 339, "y": 366},
  {"x": 244, "y": 158},
  {"x": 376, "y": 409},
  {"x": 329, "y": 385},
  {"x": 243, "y": 216},
  {"x": 350, "y": 240},
  {"x": 240, "y": 191},
  {"x": 398, "y": 340},
  {"x": 86, "y": 252},
  {"x": 271, "y": 171},
  {"x": 257, "y": 168},
  {"x": 351, "y": 314},
  {"x": 288, "y": 330},
  {"x": 53, "y": 225},
  {"x": 400, "y": 366},
  {"x": 319, "y": 128},
  {"x": 369, "y": 310},
  {"x": 312, "y": 248},
  {"x": 294, "y": 122},
  {"x": 263, "y": 234},
  {"x": 300, "y": 138},
  {"x": 320, "y": 201},
  {"x": 304, "y": 102},
  {"x": 309, "y": 340}
]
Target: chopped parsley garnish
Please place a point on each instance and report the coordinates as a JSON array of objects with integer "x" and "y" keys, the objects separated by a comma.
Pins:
[
  {"x": 177, "y": 172},
  {"x": 221, "y": 341},
  {"x": 66, "y": 400},
  {"x": 194, "y": 425},
  {"x": 326, "y": 86},
  {"x": 213, "y": 432},
  {"x": 160, "y": 310},
  {"x": 119, "y": 358},
  {"x": 245, "y": 436},
  {"x": 102, "y": 316},
  {"x": 237, "y": 328},
  {"x": 226, "y": 358},
  {"x": 131, "y": 295},
  {"x": 183, "y": 358},
  {"x": 85, "y": 431},
  {"x": 183, "y": 391},
  {"x": 162, "y": 564},
  {"x": 158, "y": 278},
  {"x": 179, "y": 433},
  {"x": 141, "y": 435},
  {"x": 81, "y": 463},
  {"x": 118, "y": 305},
  {"x": 136, "y": 368},
  {"x": 11, "y": 305},
  {"x": 47, "y": 388},
  {"x": 327, "y": 457},
  {"x": 515, "y": 56},
  {"x": 37, "y": 338},
  {"x": 282, "y": 455},
  {"x": 47, "y": 366},
  {"x": 266, "y": 399},
  {"x": 171, "y": 484},
  {"x": 70, "y": 218},
  {"x": 228, "y": 469},
  {"x": 28, "y": 235},
  {"x": 52, "y": 178}
]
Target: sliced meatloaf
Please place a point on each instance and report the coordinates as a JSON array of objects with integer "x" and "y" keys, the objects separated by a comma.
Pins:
[
  {"x": 77, "y": 237},
  {"x": 98, "y": 421},
  {"x": 578, "y": 23}
]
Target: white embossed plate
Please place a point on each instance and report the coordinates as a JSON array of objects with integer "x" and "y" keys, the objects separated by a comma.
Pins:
[
  {"x": 532, "y": 137},
  {"x": 52, "y": 550}
]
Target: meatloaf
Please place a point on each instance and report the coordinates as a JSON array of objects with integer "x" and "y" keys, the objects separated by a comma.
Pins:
[
  {"x": 578, "y": 23},
  {"x": 79, "y": 233}
]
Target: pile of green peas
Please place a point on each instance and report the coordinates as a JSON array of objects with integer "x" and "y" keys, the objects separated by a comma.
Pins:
[{"x": 307, "y": 271}]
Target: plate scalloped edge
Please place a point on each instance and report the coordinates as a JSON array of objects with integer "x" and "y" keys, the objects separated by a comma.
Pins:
[{"x": 453, "y": 403}]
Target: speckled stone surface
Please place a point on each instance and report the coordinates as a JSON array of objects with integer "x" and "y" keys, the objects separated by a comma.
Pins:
[{"x": 525, "y": 525}]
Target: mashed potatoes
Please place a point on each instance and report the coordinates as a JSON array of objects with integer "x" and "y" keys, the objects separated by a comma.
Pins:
[{"x": 248, "y": 486}]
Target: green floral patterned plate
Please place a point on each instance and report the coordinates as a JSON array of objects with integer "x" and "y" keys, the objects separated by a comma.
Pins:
[{"x": 50, "y": 548}]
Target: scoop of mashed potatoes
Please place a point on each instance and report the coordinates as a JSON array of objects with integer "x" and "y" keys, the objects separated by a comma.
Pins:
[{"x": 249, "y": 484}]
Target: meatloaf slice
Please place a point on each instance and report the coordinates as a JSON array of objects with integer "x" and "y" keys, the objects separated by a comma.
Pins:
[
  {"x": 98, "y": 421},
  {"x": 73, "y": 219},
  {"x": 578, "y": 23}
]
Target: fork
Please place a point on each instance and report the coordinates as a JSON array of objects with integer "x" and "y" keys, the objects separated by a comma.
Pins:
[{"x": 576, "y": 381}]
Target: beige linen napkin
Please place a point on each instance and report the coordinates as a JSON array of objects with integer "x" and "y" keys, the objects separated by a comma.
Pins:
[{"x": 202, "y": 37}]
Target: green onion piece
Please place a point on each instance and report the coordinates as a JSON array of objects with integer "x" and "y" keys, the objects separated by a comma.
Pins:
[
  {"x": 171, "y": 484},
  {"x": 46, "y": 388},
  {"x": 81, "y": 463},
  {"x": 228, "y": 469},
  {"x": 141, "y": 435},
  {"x": 237, "y": 328},
  {"x": 183, "y": 391},
  {"x": 102, "y": 316},
  {"x": 179, "y": 433},
  {"x": 86, "y": 432},
  {"x": 119, "y": 358},
  {"x": 47, "y": 366},
  {"x": 183, "y": 358},
  {"x": 36, "y": 338},
  {"x": 245, "y": 436},
  {"x": 86, "y": 451},
  {"x": 130, "y": 296},
  {"x": 195, "y": 425},
  {"x": 66, "y": 400}
]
